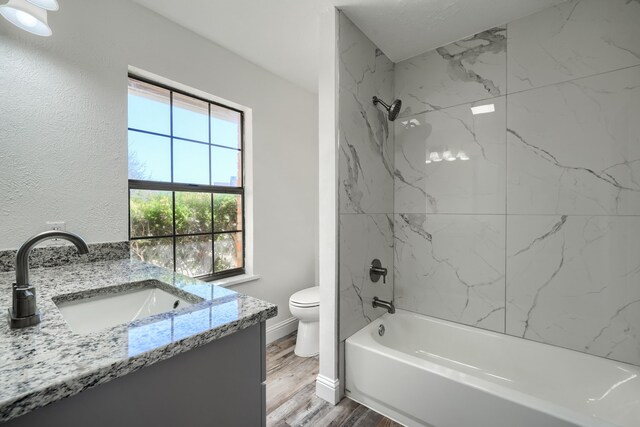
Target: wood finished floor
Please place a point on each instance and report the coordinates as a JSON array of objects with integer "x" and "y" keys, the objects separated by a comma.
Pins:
[{"x": 291, "y": 398}]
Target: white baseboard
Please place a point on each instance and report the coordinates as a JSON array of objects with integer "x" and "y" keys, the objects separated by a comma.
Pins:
[
  {"x": 281, "y": 329},
  {"x": 328, "y": 389}
]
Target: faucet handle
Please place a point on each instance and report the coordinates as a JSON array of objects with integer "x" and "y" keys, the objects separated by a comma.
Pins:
[
  {"x": 24, "y": 311},
  {"x": 376, "y": 270},
  {"x": 24, "y": 301}
]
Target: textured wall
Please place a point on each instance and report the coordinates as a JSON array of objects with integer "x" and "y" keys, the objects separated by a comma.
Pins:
[
  {"x": 64, "y": 149},
  {"x": 537, "y": 234},
  {"x": 64, "y": 144},
  {"x": 365, "y": 176}
]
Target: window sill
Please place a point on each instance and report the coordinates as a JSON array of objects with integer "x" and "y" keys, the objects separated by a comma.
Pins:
[{"x": 235, "y": 280}]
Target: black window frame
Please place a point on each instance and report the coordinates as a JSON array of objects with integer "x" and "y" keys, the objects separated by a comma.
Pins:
[{"x": 193, "y": 188}]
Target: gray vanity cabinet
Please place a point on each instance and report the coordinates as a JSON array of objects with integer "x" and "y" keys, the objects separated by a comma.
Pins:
[{"x": 221, "y": 383}]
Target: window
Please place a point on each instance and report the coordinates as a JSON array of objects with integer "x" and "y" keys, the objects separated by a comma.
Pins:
[{"x": 186, "y": 194}]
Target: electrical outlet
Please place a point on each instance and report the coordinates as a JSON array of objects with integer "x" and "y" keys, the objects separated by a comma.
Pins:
[{"x": 56, "y": 226}]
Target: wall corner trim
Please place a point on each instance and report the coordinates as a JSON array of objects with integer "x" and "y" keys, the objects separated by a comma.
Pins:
[{"x": 328, "y": 389}]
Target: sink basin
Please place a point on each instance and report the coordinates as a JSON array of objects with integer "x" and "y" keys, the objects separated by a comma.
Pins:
[{"x": 87, "y": 312}]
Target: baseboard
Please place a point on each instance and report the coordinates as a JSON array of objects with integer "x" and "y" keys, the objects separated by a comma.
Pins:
[
  {"x": 328, "y": 389},
  {"x": 281, "y": 329}
]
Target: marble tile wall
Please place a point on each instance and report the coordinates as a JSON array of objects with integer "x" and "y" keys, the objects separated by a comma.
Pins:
[
  {"x": 465, "y": 71},
  {"x": 363, "y": 237},
  {"x": 452, "y": 267},
  {"x": 534, "y": 229},
  {"x": 365, "y": 176}
]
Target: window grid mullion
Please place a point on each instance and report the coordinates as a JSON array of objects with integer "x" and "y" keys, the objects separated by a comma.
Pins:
[
  {"x": 179, "y": 138},
  {"x": 175, "y": 266},
  {"x": 213, "y": 245},
  {"x": 213, "y": 237},
  {"x": 186, "y": 188},
  {"x": 204, "y": 233},
  {"x": 173, "y": 193}
]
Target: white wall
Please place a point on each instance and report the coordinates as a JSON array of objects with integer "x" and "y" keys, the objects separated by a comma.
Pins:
[
  {"x": 328, "y": 384},
  {"x": 63, "y": 128}
]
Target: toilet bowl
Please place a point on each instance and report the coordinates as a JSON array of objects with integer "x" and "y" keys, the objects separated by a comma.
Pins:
[{"x": 305, "y": 306}]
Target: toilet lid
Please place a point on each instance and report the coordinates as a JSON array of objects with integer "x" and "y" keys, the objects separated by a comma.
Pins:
[{"x": 309, "y": 297}]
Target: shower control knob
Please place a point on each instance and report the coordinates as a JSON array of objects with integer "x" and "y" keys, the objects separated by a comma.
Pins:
[{"x": 376, "y": 270}]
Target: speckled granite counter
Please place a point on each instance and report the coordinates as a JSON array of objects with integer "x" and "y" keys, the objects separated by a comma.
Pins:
[{"x": 48, "y": 362}]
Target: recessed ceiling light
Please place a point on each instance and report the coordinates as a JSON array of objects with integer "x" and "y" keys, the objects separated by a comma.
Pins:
[
  {"x": 26, "y": 16},
  {"x": 51, "y": 5},
  {"x": 482, "y": 109}
]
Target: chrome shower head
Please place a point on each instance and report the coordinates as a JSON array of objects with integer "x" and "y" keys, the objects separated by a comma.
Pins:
[{"x": 393, "y": 110}]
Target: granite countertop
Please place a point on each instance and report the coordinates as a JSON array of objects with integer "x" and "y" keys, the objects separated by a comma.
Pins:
[{"x": 48, "y": 362}]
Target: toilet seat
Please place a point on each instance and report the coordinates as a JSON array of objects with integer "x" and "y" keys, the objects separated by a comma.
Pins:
[{"x": 306, "y": 298}]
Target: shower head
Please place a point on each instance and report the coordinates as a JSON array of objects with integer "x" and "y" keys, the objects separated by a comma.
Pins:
[{"x": 393, "y": 110}]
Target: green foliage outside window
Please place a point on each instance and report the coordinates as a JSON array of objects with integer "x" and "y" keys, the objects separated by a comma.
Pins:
[{"x": 151, "y": 216}]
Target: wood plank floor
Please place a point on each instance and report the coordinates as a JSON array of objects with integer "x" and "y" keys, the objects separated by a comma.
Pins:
[{"x": 291, "y": 398}]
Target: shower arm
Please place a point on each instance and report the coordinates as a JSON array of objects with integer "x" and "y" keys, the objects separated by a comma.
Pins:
[{"x": 377, "y": 100}]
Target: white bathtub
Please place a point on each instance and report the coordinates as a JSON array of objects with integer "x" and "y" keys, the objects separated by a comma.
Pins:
[{"x": 430, "y": 372}]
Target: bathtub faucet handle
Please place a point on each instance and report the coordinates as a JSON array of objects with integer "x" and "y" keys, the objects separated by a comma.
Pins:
[{"x": 376, "y": 270}]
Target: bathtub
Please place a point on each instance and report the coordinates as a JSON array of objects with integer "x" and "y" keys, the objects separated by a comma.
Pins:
[{"x": 429, "y": 372}]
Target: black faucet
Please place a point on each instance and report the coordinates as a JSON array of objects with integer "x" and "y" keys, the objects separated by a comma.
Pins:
[
  {"x": 24, "y": 312},
  {"x": 377, "y": 302}
]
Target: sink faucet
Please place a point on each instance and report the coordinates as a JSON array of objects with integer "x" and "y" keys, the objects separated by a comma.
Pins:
[
  {"x": 377, "y": 302},
  {"x": 24, "y": 311}
]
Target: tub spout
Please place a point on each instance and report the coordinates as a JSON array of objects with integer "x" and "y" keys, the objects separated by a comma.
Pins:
[{"x": 377, "y": 302}]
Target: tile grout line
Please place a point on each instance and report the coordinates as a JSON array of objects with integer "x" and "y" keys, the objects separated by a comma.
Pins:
[
  {"x": 507, "y": 93},
  {"x": 393, "y": 198},
  {"x": 451, "y": 106},
  {"x": 573, "y": 80},
  {"x": 506, "y": 169}
]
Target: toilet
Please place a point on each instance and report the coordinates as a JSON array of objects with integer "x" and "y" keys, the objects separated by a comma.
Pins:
[{"x": 305, "y": 306}]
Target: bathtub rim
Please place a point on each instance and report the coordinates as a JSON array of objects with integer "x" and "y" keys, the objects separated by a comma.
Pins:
[{"x": 364, "y": 339}]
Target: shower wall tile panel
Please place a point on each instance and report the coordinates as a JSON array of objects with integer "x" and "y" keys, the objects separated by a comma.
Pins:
[
  {"x": 363, "y": 238},
  {"x": 575, "y": 39},
  {"x": 365, "y": 177},
  {"x": 459, "y": 73},
  {"x": 574, "y": 147},
  {"x": 550, "y": 195},
  {"x": 452, "y": 267},
  {"x": 366, "y": 136},
  {"x": 476, "y": 185},
  {"x": 572, "y": 281}
]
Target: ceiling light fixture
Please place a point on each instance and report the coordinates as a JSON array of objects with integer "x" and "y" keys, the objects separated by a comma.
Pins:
[
  {"x": 482, "y": 109},
  {"x": 51, "y": 5},
  {"x": 27, "y": 16}
]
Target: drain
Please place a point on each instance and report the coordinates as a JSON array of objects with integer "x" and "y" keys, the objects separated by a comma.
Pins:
[
  {"x": 381, "y": 330},
  {"x": 176, "y": 304}
]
